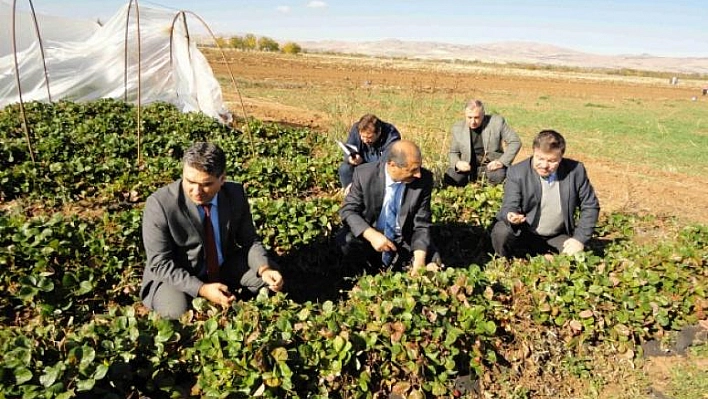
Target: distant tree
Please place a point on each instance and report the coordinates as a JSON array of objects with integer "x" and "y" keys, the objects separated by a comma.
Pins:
[
  {"x": 222, "y": 42},
  {"x": 237, "y": 42},
  {"x": 250, "y": 42},
  {"x": 267, "y": 44},
  {"x": 291, "y": 48}
]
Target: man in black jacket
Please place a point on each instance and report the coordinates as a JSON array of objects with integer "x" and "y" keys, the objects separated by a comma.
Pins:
[
  {"x": 541, "y": 195},
  {"x": 386, "y": 214},
  {"x": 371, "y": 137}
]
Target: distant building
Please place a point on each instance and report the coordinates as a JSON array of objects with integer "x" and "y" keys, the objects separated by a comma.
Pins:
[{"x": 674, "y": 80}]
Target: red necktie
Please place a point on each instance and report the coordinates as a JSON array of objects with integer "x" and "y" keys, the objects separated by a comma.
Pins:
[{"x": 211, "y": 256}]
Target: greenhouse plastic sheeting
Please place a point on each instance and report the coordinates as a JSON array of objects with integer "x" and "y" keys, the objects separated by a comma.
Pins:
[{"x": 86, "y": 61}]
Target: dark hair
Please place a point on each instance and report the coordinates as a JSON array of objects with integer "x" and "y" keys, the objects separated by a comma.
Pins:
[
  {"x": 403, "y": 151},
  {"x": 549, "y": 140},
  {"x": 369, "y": 123},
  {"x": 206, "y": 157}
]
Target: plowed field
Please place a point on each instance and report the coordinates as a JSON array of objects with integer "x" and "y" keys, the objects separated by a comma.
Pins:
[{"x": 640, "y": 188}]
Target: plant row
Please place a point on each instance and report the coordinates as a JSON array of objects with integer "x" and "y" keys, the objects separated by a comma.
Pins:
[
  {"x": 71, "y": 260},
  {"x": 413, "y": 335},
  {"x": 89, "y": 152}
]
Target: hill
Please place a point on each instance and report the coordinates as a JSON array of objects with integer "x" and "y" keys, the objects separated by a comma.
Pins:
[{"x": 512, "y": 52}]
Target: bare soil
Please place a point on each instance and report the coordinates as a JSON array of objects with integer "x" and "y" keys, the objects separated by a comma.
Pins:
[{"x": 641, "y": 189}]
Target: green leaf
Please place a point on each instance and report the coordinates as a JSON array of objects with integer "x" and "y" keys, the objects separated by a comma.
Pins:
[
  {"x": 69, "y": 280},
  {"x": 328, "y": 306},
  {"x": 490, "y": 327},
  {"x": 210, "y": 327},
  {"x": 85, "y": 385},
  {"x": 22, "y": 375},
  {"x": 101, "y": 371},
  {"x": 50, "y": 376},
  {"x": 364, "y": 379},
  {"x": 28, "y": 292},
  {"x": 439, "y": 389},
  {"x": 280, "y": 354},
  {"x": 164, "y": 333},
  {"x": 88, "y": 354},
  {"x": 84, "y": 288},
  {"x": 338, "y": 343},
  {"x": 66, "y": 395},
  {"x": 303, "y": 314}
]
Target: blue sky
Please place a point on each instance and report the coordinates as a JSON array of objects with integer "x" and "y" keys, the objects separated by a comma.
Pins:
[{"x": 663, "y": 28}]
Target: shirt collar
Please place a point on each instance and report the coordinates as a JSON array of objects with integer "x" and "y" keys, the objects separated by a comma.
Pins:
[
  {"x": 214, "y": 201},
  {"x": 389, "y": 180},
  {"x": 553, "y": 177}
]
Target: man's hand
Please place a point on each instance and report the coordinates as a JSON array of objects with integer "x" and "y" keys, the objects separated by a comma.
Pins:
[
  {"x": 494, "y": 165},
  {"x": 419, "y": 265},
  {"x": 515, "y": 218},
  {"x": 418, "y": 261},
  {"x": 273, "y": 279},
  {"x": 217, "y": 293},
  {"x": 379, "y": 241},
  {"x": 347, "y": 189},
  {"x": 355, "y": 159},
  {"x": 572, "y": 246},
  {"x": 430, "y": 267},
  {"x": 463, "y": 166}
]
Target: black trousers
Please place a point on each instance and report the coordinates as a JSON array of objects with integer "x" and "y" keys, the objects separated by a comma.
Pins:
[
  {"x": 521, "y": 242},
  {"x": 171, "y": 303},
  {"x": 359, "y": 255},
  {"x": 457, "y": 179}
]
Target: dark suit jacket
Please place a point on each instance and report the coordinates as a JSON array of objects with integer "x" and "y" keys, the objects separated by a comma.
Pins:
[
  {"x": 362, "y": 205},
  {"x": 495, "y": 131},
  {"x": 173, "y": 235},
  {"x": 522, "y": 194}
]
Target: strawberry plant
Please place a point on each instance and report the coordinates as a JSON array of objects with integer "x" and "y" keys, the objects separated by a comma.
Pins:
[{"x": 71, "y": 260}]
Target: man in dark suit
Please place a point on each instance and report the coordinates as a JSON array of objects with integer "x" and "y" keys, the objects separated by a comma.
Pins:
[
  {"x": 386, "y": 214},
  {"x": 371, "y": 137},
  {"x": 477, "y": 148},
  {"x": 541, "y": 195},
  {"x": 200, "y": 240}
]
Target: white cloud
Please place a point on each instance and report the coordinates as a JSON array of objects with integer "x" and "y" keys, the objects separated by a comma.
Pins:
[
  {"x": 283, "y": 9},
  {"x": 317, "y": 4}
]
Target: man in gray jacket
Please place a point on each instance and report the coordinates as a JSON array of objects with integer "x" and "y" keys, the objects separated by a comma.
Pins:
[
  {"x": 477, "y": 150},
  {"x": 200, "y": 240}
]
